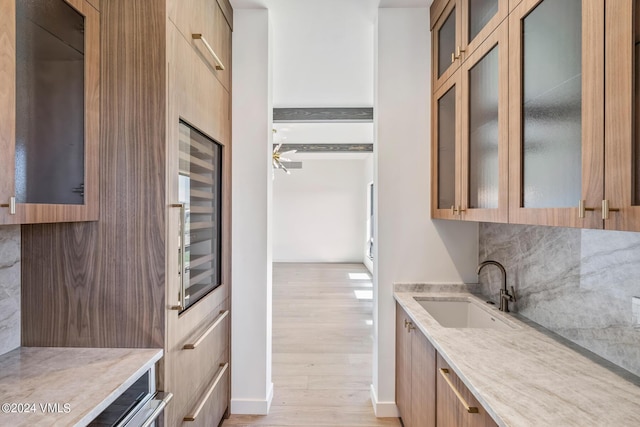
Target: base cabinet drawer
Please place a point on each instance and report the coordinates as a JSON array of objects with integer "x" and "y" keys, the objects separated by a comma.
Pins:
[
  {"x": 210, "y": 407},
  {"x": 456, "y": 406}
]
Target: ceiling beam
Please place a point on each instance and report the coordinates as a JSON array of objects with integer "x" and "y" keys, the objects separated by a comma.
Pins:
[
  {"x": 323, "y": 115},
  {"x": 327, "y": 148}
]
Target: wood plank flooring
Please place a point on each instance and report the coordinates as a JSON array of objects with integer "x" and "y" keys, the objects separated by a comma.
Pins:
[{"x": 322, "y": 345}]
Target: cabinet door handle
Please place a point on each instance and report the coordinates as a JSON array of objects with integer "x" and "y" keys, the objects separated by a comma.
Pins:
[
  {"x": 470, "y": 409},
  {"x": 198, "y": 408},
  {"x": 219, "y": 65},
  {"x": 606, "y": 209},
  {"x": 582, "y": 209},
  {"x": 210, "y": 329},
  {"x": 11, "y": 205},
  {"x": 453, "y": 57}
]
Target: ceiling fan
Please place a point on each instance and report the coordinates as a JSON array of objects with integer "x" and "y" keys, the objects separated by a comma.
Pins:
[{"x": 280, "y": 161}]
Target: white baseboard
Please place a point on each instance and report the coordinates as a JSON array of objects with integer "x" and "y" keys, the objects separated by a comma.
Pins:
[
  {"x": 383, "y": 409},
  {"x": 252, "y": 406},
  {"x": 368, "y": 262}
]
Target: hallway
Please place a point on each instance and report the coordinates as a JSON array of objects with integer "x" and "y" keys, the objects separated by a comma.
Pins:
[{"x": 322, "y": 345}]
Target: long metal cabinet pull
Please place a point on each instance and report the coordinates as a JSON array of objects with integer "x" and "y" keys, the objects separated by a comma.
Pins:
[
  {"x": 180, "y": 306},
  {"x": 445, "y": 374},
  {"x": 156, "y": 413},
  {"x": 210, "y": 329},
  {"x": 219, "y": 65},
  {"x": 196, "y": 411}
]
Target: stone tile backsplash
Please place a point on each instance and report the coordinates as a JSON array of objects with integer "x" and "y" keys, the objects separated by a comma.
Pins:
[
  {"x": 580, "y": 284},
  {"x": 9, "y": 288}
]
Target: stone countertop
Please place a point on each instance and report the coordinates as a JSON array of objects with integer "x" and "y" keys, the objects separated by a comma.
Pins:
[
  {"x": 81, "y": 381},
  {"x": 528, "y": 376}
]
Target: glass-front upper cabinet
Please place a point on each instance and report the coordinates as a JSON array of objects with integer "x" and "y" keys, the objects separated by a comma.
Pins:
[
  {"x": 556, "y": 127},
  {"x": 200, "y": 199},
  {"x": 458, "y": 28},
  {"x": 49, "y": 96},
  {"x": 470, "y": 137},
  {"x": 445, "y": 150},
  {"x": 622, "y": 121},
  {"x": 485, "y": 131}
]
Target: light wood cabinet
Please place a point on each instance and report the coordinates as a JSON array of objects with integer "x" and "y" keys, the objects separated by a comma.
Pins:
[
  {"x": 470, "y": 136},
  {"x": 50, "y": 103},
  {"x": 456, "y": 406},
  {"x": 415, "y": 374},
  {"x": 556, "y": 104},
  {"x": 428, "y": 392},
  {"x": 572, "y": 153},
  {"x": 458, "y": 28},
  {"x": 622, "y": 119},
  {"x": 116, "y": 282}
]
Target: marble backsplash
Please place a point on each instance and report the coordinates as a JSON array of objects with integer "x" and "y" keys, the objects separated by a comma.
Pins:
[
  {"x": 580, "y": 284},
  {"x": 9, "y": 288}
]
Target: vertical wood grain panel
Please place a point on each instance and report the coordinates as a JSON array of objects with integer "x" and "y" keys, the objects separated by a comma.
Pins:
[
  {"x": 403, "y": 367},
  {"x": 423, "y": 381},
  {"x": 620, "y": 127},
  {"x": 7, "y": 102},
  {"x": 106, "y": 280}
]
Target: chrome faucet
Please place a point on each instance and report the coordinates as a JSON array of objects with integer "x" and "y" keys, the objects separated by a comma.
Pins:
[{"x": 505, "y": 296}]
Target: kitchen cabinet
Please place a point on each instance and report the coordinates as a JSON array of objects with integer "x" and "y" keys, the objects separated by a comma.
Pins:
[
  {"x": 570, "y": 93},
  {"x": 556, "y": 75},
  {"x": 155, "y": 270},
  {"x": 622, "y": 106},
  {"x": 456, "y": 406},
  {"x": 428, "y": 392},
  {"x": 458, "y": 28},
  {"x": 50, "y": 103},
  {"x": 470, "y": 137},
  {"x": 415, "y": 374}
]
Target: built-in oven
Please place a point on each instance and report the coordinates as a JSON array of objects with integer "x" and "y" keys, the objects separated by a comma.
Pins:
[{"x": 138, "y": 406}]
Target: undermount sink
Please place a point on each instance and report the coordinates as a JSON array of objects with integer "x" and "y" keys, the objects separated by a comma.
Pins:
[{"x": 462, "y": 314}]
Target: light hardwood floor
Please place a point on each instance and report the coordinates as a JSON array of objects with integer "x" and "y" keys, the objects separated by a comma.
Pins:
[{"x": 322, "y": 347}]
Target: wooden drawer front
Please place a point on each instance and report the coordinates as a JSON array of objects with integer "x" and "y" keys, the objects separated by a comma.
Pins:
[
  {"x": 459, "y": 409},
  {"x": 210, "y": 406},
  {"x": 196, "y": 96},
  {"x": 195, "y": 367},
  {"x": 205, "y": 17}
]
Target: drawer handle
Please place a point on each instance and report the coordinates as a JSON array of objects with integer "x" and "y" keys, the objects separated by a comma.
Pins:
[
  {"x": 165, "y": 398},
  {"x": 470, "y": 409},
  {"x": 196, "y": 411},
  {"x": 219, "y": 65},
  {"x": 204, "y": 335}
]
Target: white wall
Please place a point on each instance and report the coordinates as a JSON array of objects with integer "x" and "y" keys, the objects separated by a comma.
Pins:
[
  {"x": 251, "y": 386},
  {"x": 323, "y": 52},
  {"x": 409, "y": 246},
  {"x": 319, "y": 212}
]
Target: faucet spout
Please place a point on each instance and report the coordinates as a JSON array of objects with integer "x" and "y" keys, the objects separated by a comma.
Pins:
[{"x": 505, "y": 296}]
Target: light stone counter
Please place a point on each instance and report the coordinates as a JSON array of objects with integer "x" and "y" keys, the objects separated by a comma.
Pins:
[
  {"x": 528, "y": 376},
  {"x": 77, "y": 383}
]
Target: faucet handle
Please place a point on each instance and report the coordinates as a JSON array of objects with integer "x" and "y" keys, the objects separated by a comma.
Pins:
[{"x": 513, "y": 294}]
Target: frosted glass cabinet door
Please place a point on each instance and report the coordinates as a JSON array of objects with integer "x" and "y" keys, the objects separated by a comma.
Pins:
[
  {"x": 446, "y": 151},
  {"x": 50, "y": 127},
  {"x": 484, "y": 183},
  {"x": 446, "y": 41},
  {"x": 557, "y": 82}
]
